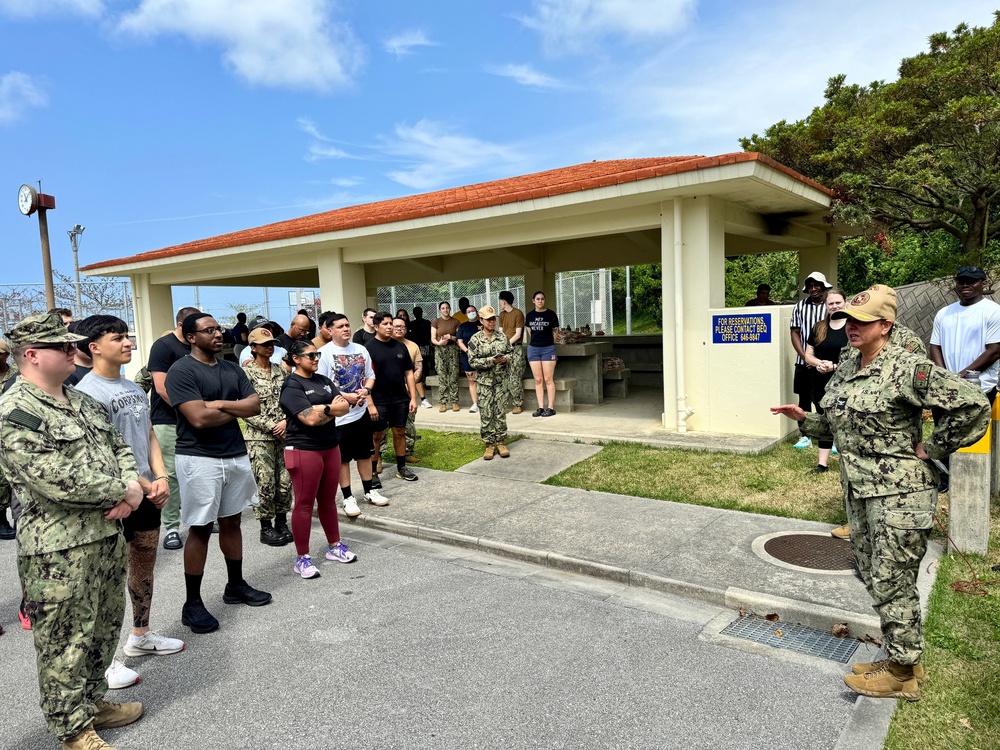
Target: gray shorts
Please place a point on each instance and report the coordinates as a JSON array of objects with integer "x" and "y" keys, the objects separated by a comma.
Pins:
[{"x": 214, "y": 488}]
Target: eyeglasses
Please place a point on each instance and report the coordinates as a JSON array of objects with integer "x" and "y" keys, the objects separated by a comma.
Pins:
[
  {"x": 312, "y": 355},
  {"x": 66, "y": 348},
  {"x": 210, "y": 331}
]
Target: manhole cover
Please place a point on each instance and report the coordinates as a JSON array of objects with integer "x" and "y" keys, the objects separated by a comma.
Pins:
[
  {"x": 811, "y": 551},
  {"x": 793, "y": 637}
]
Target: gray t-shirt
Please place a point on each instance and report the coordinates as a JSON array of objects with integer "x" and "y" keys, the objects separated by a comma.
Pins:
[{"x": 128, "y": 409}]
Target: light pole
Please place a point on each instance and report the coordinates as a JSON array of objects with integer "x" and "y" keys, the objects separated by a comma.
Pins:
[{"x": 74, "y": 238}]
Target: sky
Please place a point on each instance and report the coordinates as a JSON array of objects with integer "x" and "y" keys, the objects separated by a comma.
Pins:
[{"x": 158, "y": 122}]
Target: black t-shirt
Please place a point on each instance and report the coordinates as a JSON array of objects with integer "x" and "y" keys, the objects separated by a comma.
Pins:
[
  {"x": 191, "y": 380},
  {"x": 165, "y": 351},
  {"x": 361, "y": 336},
  {"x": 390, "y": 361},
  {"x": 78, "y": 375},
  {"x": 285, "y": 341},
  {"x": 542, "y": 326},
  {"x": 237, "y": 332},
  {"x": 829, "y": 348},
  {"x": 297, "y": 395},
  {"x": 418, "y": 331}
]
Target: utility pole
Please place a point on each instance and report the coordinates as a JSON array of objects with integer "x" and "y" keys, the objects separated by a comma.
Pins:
[{"x": 74, "y": 238}]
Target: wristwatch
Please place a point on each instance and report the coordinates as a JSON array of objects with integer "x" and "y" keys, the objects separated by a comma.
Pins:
[{"x": 326, "y": 410}]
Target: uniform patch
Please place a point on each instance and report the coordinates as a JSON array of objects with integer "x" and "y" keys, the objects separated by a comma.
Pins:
[
  {"x": 922, "y": 378},
  {"x": 23, "y": 419},
  {"x": 841, "y": 402}
]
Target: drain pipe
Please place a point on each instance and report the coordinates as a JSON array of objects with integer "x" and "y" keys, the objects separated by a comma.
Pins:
[{"x": 683, "y": 412}]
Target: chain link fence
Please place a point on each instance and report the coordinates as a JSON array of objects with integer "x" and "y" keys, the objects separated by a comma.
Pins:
[
  {"x": 582, "y": 298},
  {"x": 101, "y": 297}
]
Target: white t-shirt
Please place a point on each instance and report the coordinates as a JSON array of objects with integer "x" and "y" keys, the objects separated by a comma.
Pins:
[
  {"x": 349, "y": 367},
  {"x": 963, "y": 331}
]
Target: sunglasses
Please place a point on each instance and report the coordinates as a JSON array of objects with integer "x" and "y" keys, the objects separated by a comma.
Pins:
[
  {"x": 311, "y": 355},
  {"x": 67, "y": 348}
]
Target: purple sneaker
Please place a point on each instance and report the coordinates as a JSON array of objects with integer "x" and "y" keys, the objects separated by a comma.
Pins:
[
  {"x": 339, "y": 553},
  {"x": 305, "y": 568}
]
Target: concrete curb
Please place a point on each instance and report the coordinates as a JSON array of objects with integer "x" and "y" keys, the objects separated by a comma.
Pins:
[{"x": 733, "y": 598}]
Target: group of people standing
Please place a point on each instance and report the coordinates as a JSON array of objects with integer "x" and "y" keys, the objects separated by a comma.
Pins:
[{"x": 870, "y": 398}]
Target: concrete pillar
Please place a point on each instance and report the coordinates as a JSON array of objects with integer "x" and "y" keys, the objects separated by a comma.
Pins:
[
  {"x": 154, "y": 313},
  {"x": 822, "y": 259},
  {"x": 969, "y": 497},
  {"x": 342, "y": 285},
  {"x": 702, "y": 288}
]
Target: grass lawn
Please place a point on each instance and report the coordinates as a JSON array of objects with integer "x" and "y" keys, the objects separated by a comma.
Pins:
[
  {"x": 445, "y": 451},
  {"x": 777, "y": 483},
  {"x": 960, "y": 704}
]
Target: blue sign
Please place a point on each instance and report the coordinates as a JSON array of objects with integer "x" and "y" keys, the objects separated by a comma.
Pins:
[{"x": 741, "y": 329}]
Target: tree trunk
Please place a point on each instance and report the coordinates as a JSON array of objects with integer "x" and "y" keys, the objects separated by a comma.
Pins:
[{"x": 976, "y": 236}]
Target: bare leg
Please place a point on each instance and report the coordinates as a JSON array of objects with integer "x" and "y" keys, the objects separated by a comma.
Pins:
[
  {"x": 536, "y": 372},
  {"x": 472, "y": 385},
  {"x": 196, "y": 549},
  {"x": 231, "y": 537},
  {"x": 548, "y": 371},
  {"x": 824, "y": 456},
  {"x": 399, "y": 441}
]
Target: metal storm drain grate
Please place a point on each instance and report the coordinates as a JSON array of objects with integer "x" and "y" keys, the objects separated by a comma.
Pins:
[
  {"x": 811, "y": 551},
  {"x": 800, "y": 638}
]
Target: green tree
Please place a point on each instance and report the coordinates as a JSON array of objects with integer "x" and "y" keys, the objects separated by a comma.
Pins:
[{"x": 922, "y": 152}]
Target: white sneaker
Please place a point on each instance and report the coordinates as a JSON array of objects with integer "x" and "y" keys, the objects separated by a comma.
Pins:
[
  {"x": 119, "y": 676},
  {"x": 376, "y": 498},
  {"x": 474, "y": 409},
  {"x": 351, "y": 507},
  {"x": 152, "y": 643},
  {"x": 425, "y": 404}
]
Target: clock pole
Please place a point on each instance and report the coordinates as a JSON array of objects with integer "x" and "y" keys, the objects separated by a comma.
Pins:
[{"x": 43, "y": 230}]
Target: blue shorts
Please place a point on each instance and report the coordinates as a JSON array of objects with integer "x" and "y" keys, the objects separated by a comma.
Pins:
[{"x": 541, "y": 353}]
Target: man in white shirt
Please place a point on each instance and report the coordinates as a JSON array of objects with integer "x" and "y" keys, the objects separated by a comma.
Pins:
[
  {"x": 349, "y": 366},
  {"x": 966, "y": 334}
]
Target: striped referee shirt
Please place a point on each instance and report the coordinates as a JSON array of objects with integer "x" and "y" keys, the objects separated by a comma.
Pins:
[{"x": 805, "y": 315}]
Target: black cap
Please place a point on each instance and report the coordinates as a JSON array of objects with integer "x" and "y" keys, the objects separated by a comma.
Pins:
[{"x": 970, "y": 272}]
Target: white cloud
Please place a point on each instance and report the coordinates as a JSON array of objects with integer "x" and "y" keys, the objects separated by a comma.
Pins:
[
  {"x": 438, "y": 157},
  {"x": 571, "y": 25},
  {"x": 19, "y": 92},
  {"x": 318, "y": 152},
  {"x": 402, "y": 44},
  {"x": 268, "y": 42},
  {"x": 32, "y": 8},
  {"x": 526, "y": 76},
  {"x": 737, "y": 78},
  {"x": 309, "y": 127}
]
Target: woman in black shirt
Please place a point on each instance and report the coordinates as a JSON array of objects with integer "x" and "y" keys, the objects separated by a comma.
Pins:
[
  {"x": 312, "y": 454},
  {"x": 827, "y": 339},
  {"x": 542, "y": 323}
]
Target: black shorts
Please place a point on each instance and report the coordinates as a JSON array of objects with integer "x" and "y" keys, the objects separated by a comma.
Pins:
[
  {"x": 356, "y": 440},
  {"x": 144, "y": 518},
  {"x": 391, "y": 414}
]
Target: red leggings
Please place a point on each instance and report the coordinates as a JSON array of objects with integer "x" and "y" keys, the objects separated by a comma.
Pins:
[{"x": 315, "y": 478}]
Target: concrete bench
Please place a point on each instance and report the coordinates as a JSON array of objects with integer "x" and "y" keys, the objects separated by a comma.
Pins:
[
  {"x": 564, "y": 393},
  {"x": 616, "y": 383}
]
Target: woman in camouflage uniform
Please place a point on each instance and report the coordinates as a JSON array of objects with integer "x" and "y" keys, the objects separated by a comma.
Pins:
[
  {"x": 265, "y": 436},
  {"x": 873, "y": 409},
  {"x": 488, "y": 352}
]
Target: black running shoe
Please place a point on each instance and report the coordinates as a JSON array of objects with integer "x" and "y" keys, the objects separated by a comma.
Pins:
[
  {"x": 539, "y": 412},
  {"x": 376, "y": 482},
  {"x": 406, "y": 474},
  {"x": 199, "y": 619},
  {"x": 244, "y": 593}
]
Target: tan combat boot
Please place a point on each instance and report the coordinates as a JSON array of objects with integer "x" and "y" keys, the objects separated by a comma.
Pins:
[
  {"x": 873, "y": 666},
  {"x": 88, "y": 739},
  {"x": 444, "y": 407},
  {"x": 517, "y": 410},
  {"x": 413, "y": 460},
  {"x": 502, "y": 450},
  {"x": 891, "y": 680},
  {"x": 842, "y": 532},
  {"x": 488, "y": 455},
  {"x": 455, "y": 407},
  {"x": 114, "y": 715}
]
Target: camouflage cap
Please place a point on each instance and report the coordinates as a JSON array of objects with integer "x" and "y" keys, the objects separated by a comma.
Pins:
[
  {"x": 878, "y": 302},
  {"x": 41, "y": 329}
]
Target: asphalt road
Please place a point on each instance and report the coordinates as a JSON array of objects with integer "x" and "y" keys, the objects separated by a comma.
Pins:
[{"x": 426, "y": 646}]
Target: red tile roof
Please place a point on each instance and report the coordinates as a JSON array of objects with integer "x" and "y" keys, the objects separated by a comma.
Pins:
[{"x": 552, "y": 182}]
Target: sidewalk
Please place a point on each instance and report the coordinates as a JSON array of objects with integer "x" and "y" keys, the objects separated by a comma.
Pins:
[{"x": 697, "y": 552}]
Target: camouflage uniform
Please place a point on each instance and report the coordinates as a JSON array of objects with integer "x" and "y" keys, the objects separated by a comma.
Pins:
[
  {"x": 446, "y": 364},
  {"x": 517, "y": 360},
  {"x": 491, "y": 384},
  {"x": 68, "y": 465},
  {"x": 266, "y": 452},
  {"x": 874, "y": 415},
  {"x": 903, "y": 337}
]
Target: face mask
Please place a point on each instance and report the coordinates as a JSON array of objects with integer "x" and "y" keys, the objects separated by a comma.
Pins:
[{"x": 472, "y": 316}]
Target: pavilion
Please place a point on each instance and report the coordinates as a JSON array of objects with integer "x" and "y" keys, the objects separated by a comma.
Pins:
[{"x": 722, "y": 367}]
